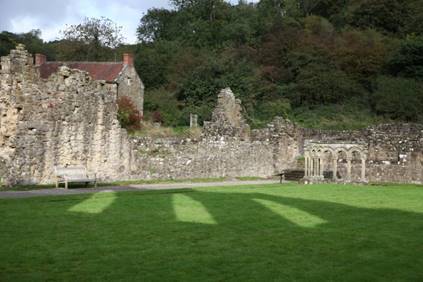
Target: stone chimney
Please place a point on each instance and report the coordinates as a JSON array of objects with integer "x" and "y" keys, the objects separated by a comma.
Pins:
[
  {"x": 40, "y": 59},
  {"x": 128, "y": 59}
]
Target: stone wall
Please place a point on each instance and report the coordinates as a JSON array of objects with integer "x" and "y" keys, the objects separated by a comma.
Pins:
[
  {"x": 69, "y": 119},
  {"x": 227, "y": 148},
  {"x": 205, "y": 158},
  {"x": 395, "y": 151}
]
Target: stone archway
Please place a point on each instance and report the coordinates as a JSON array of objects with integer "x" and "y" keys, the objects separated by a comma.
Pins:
[{"x": 316, "y": 158}]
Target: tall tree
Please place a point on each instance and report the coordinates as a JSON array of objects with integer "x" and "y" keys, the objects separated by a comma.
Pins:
[{"x": 97, "y": 37}]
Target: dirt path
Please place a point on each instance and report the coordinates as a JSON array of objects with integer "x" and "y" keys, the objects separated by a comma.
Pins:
[{"x": 141, "y": 187}]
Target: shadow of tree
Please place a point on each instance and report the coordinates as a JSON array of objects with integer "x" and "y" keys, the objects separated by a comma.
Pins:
[{"x": 226, "y": 236}]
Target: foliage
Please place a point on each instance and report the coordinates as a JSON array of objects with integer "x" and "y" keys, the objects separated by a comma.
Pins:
[
  {"x": 399, "y": 98},
  {"x": 94, "y": 37},
  {"x": 408, "y": 60},
  {"x": 32, "y": 41},
  {"x": 128, "y": 115},
  {"x": 384, "y": 15},
  {"x": 304, "y": 59}
]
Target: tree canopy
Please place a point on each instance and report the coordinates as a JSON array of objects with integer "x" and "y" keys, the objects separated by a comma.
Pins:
[{"x": 322, "y": 63}]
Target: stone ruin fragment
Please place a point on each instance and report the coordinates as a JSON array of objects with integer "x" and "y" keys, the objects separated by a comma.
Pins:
[{"x": 227, "y": 119}]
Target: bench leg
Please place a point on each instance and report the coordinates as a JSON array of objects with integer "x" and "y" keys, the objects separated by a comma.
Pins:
[
  {"x": 66, "y": 185},
  {"x": 57, "y": 184}
]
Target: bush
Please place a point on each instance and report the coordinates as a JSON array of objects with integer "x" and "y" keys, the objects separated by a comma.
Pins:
[
  {"x": 398, "y": 98},
  {"x": 157, "y": 117},
  {"x": 128, "y": 115},
  {"x": 408, "y": 60}
]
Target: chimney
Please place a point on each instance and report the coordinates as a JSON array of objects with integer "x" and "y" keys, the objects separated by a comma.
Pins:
[
  {"x": 40, "y": 59},
  {"x": 128, "y": 59}
]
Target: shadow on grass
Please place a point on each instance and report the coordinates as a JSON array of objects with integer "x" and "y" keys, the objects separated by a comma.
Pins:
[{"x": 200, "y": 235}]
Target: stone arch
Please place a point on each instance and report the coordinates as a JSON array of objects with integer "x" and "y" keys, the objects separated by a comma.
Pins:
[{"x": 322, "y": 157}]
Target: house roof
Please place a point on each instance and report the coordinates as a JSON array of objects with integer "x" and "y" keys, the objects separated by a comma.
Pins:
[{"x": 98, "y": 71}]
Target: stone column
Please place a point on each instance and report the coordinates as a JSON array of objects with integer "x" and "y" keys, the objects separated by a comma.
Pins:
[
  {"x": 348, "y": 169},
  {"x": 318, "y": 167},
  {"x": 335, "y": 169},
  {"x": 305, "y": 165},
  {"x": 308, "y": 166},
  {"x": 363, "y": 169},
  {"x": 193, "y": 121},
  {"x": 321, "y": 168}
]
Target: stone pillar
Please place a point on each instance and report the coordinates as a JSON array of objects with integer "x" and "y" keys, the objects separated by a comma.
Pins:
[
  {"x": 335, "y": 169},
  {"x": 306, "y": 166},
  {"x": 363, "y": 169},
  {"x": 311, "y": 166},
  {"x": 348, "y": 169},
  {"x": 318, "y": 167},
  {"x": 193, "y": 121},
  {"x": 321, "y": 168}
]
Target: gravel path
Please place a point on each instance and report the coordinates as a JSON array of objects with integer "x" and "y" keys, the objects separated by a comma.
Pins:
[{"x": 141, "y": 187}]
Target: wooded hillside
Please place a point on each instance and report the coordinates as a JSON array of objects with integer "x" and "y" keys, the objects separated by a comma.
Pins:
[{"x": 326, "y": 64}]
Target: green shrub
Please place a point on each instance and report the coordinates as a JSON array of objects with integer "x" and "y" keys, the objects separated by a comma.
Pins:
[{"x": 398, "y": 98}]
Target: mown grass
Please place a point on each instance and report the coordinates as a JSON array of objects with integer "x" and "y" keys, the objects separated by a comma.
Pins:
[{"x": 250, "y": 233}]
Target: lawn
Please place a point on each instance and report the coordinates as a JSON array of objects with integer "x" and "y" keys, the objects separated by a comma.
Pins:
[{"x": 251, "y": 233}]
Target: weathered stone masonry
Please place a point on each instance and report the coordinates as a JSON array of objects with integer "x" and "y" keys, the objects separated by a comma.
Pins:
[
  {"x": 67, "y": 119},
  {"x": 70, "y": 119}
]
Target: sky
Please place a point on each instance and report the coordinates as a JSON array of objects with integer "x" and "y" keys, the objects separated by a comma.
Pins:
[{"x": 51, "y": 16}]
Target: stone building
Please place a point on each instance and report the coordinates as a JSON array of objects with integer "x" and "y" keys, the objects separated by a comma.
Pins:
[{"x": 122, "y": 74}]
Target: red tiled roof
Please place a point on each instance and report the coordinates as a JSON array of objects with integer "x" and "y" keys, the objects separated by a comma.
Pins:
[{"x": 98, "y": 71}]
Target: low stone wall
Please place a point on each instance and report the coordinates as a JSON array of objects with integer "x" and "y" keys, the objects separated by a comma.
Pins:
[{"x": 184, "y": 159}]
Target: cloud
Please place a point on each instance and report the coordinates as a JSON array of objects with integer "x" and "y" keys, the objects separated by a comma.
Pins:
[{"x": 51, "y": 16}]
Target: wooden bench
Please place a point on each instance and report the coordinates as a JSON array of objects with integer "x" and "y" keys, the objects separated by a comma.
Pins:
[{"x": 74, "y": 174}]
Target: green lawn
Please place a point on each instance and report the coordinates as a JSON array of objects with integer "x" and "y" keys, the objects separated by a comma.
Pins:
[{"x": 251, "y": 233}]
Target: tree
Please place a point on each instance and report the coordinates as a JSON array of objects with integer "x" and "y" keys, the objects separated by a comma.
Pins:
[
  {"x": 414, "y": 21},
  {"x": 322, "y": 85},
  {"x": 98, "y": 37},
  {"x": 383, "y": 15},
  {"x": 32, "y": 41},
  {"x": 361, "y": 54},
  {"x": 398, "y": 98},
  {"x": 155, "y": 25},
  {"x": 408, "y": 60}
]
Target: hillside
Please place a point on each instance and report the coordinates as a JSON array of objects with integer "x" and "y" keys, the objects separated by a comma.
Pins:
[{"x": 324, "y": 64}]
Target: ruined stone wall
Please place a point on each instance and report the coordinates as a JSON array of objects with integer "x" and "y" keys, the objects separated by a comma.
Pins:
[
  {"x": 67, "y": 119},
  {"x": 395, "y": 151},
  {"x": 205, "y": 158},
  {"x": 227, "y": 148},
  {"x": 70, "y": 119}
]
